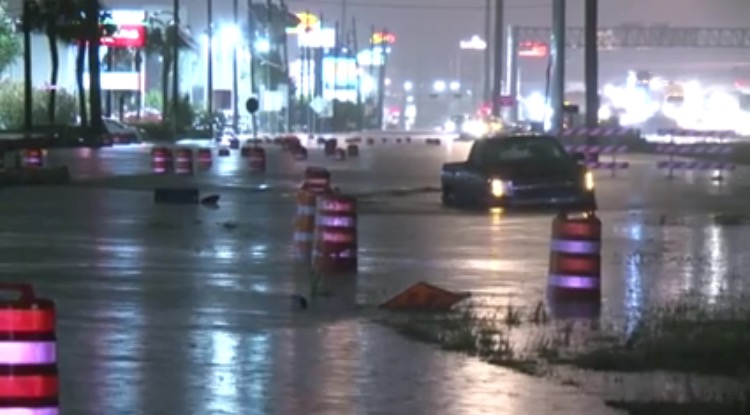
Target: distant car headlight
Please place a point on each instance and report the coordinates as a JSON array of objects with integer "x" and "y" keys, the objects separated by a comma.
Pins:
[
  {"x": 497, "y": 187},
  {"x": 588, "y": 181},
  {"x": 449, "y": 127}
]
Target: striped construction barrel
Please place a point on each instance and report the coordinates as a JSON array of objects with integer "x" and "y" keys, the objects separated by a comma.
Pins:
[
  {"x": 28, "y": 354},
  {"x": 204, "y": 158},
  {"x": 161, "y": 158},
  {"x": 304, "y": 224},
  {"x": 183, "y": 161},
  {"x": 256, "y": 160},
  {"x": 335, "y": 246},
  {"x": 33, "y": 157},
  {"x": 317, "y": 180},
  {"x": 575, "y": 257}
]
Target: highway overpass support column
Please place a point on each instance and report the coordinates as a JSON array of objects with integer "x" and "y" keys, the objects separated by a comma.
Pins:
[
  {"x": 591, "y": 19},
  {"x": 557, "y": 76},
  {"x": 512, "y": 71}
]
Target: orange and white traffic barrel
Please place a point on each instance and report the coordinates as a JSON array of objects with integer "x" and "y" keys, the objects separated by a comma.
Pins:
[
  {"x": 204, "y": 158},
  {"x": 28, "y": 353},
  {"x": 33, "y": 157},
  {"x": 161, "y": 158},
  {"x": 335, "y": 246},
  {"x": 304, "y": 224},
  {"x": 183, "y": 161},
  {"x": 317, "y": 180},
  {"x": 370, "y": 141},
  {"x": 575, "y": 258},
  {"x": 224, "y": 152},
  {"x": 256, "y": 160},
  {"x": 352, "y": 150}
]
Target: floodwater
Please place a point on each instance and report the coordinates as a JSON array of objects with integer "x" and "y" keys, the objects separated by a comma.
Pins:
[{"x": 187, "y": 310}]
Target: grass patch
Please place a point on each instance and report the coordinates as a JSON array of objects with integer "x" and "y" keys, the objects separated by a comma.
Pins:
[
  {"x": 487, "y": 336},
  {"x": 692, "y": 338},
  {"x": 688, "y": 337}
]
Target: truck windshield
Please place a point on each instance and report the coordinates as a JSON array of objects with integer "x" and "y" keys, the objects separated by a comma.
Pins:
[{"x": 540, "y": 149}]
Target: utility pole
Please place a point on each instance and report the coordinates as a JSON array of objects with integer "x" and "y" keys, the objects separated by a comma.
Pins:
[
  {"x": 497, "y": 48},
  {"x": 235, "y": 71},
  {"x": 210, "y": 67},
  {"x": 175, "y": 66},
  {"x": 557, "y": 81},
  {"x": 591, "y": 19}
]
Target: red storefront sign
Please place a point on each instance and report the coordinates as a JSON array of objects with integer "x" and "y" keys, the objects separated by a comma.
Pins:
[{"x": 126, "y": 36}]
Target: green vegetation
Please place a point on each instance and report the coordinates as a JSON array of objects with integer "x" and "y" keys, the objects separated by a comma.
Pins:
[
  {"x": 688, "y": 337},
  {"x": 11, "y": 107},
  {"x": 10, "y": 46}
]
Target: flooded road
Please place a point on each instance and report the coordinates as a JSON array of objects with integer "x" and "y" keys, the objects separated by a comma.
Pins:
[{"x": 184, "y": 309}]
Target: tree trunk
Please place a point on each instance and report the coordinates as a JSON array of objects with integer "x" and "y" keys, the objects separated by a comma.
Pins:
[
  {"x": 54, "y": 55},
  {"x": 82, "y": 101},
  {"x": 166, "y": 69},
  {"x": 95, "y": 87}
]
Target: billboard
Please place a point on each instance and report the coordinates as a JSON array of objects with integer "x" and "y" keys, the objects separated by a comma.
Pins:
[
  {"x": 126, "y": 36},
  {"x": 131, "y": 29}
]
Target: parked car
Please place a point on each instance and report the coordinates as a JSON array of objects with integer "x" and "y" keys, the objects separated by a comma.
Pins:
[{"x": 120, "y": 133}]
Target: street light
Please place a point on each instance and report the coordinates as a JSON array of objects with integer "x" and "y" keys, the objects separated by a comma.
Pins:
[
  {"x": 439, "y": 86},
  {"x": 408, "y": 86}
]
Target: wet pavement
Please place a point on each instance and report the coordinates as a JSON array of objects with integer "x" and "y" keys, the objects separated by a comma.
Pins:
[{"x": 187, "y": 310}]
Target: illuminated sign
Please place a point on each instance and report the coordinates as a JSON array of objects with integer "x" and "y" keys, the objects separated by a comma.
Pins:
[
  {"x": 378, "y": 38},
  {"x": 307, "y": 22},
  {"x": 126, "y": 36},
  {"x": 533, "y": 49},
  {"x": 319, "y": 38}
]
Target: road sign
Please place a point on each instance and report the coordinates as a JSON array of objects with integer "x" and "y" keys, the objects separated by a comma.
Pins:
[{"x": 252, "y": 105}]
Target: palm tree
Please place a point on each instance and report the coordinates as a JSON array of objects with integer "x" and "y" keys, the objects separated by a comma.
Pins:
[
  {"x": 44, "y": 17},
  {"x": 76, "y": 31},
  {"x": 160, "y": 40}
]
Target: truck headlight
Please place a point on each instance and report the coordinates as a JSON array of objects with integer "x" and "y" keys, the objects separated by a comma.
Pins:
[
  {"x": 588, "y": 181},
  {"x": 497, "y": 187}
]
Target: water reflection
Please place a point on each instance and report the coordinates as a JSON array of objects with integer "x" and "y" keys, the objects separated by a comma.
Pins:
[
  {"x": 717, "y": 262},
  {"x": 116, "y": 357}
]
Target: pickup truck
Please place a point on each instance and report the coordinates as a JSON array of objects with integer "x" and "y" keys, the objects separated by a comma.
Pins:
[{"x": 516, "y": 172}]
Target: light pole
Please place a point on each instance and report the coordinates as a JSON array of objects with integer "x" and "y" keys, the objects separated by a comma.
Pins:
[
  {"x": 176, "y": 66},
  {"x": 235, "y": 72},
  {"x": 210, "y": 67}
]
